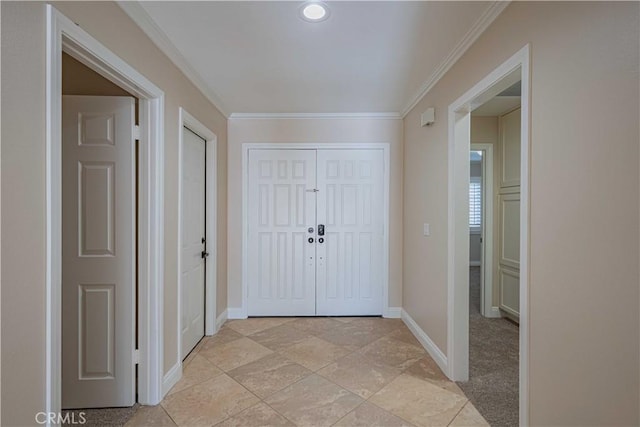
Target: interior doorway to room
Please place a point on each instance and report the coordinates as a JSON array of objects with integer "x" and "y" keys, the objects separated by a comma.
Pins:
[
  {"x": 493, "y": 332},
  {"x": 99, "y": 240},
  {"x": 315, "y": 232}
]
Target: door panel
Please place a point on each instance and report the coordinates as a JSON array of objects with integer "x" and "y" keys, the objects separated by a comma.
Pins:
[
  {"x": 98, "y": 252},
  {"x": 350, "y": 205},
  {"x": 281, "y": 209},
  {"x": 192, "y": 263}
]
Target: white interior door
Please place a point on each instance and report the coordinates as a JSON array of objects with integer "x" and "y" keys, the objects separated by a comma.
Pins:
[
  {"x": 350, "y": 206},
  {"x": 193, "y": 251},
  {"x": 98, "y": 252},
  {"x": 303, "y": 266},
  {"x": 281, "y": 210}
]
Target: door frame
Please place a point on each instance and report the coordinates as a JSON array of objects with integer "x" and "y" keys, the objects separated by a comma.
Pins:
[
  {"x": 63, "y": 35},
  {"x": 211, "y": 193},
  {"x": 242, "y": 313},
  {"x": 487, "y": 309},
  {"x": 517, "y": 67}
]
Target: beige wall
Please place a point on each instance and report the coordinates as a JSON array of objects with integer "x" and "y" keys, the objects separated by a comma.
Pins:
[
  {"x": 23, "y": 184},
  {"x": 584, "y": 162},
  {"x": 313, "y": 131}
]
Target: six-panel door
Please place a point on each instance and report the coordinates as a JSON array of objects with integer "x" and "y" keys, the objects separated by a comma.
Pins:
[
  {"x": 98, "y": 251},
  {"x": 192, "y": 261}
]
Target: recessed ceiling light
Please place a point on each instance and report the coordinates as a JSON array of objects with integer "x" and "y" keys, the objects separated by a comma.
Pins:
[{"x": 314, "y": 11}]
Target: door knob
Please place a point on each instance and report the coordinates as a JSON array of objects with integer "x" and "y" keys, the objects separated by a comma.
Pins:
[
  {"x": 310, "y": 240},
  {"x": 204, "y": 254},
  {"x": 321, "y": 240}
]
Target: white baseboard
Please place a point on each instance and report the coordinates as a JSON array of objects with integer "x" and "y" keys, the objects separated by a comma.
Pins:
[
  {"x": 494, "y": 313},
  {"x": 392, "y": 312},
  {"x": 433, "y": 350},
  {"x": 171, "y": 378},
  {"x": 475, "y": 263},
  {"x": 220, "y": 320},
  {"x": 236, "y": 313}
]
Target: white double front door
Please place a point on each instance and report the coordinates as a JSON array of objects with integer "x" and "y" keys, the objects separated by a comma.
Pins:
[{"x": 315, "y": 232}]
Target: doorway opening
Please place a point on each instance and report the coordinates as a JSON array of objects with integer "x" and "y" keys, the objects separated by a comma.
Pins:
[
  {"x": 511, "y": 227},
  {"x": 99, "y": 244},
  {"x": 494, "y": 304},
  {"x": 64, "y": 36},
  {"x": 321, "y": 217}
]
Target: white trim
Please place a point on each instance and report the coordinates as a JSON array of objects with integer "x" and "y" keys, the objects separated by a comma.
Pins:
[
  {"x": 481, "y": 24},
  {"x": 160, "y": 39},
  {"x": 392, "y": 313},
  {"x": 242, "y": 312},
  {"x": 475, "y": 263},
  {"x": 515, "y": 68},
  {"x": 220, "y": 320},
  {"x": 434, "y": 351},
  {"x": 315, "y": 116},
  {"x": 64, "y": 35},
  {"x": 486, "y": 295},
  {"x": 171, "y": 378},
  {"x": 234, "y": 313},
  {"x": 211, "y": 140}
]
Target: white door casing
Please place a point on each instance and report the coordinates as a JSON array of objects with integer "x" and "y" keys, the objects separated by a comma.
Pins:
[
  {"x": 350, "y": 206},
  {"x": 98, "y": 252},
  {"x": 292, "y": 269},
  {"x": 193, "y": 241},
  {"x": 281, "y": 209}
]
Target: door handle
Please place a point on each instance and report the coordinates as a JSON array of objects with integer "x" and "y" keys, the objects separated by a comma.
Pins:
[
  {"x": 310, "y": 240},
  {"x": 204, "y": 254}
]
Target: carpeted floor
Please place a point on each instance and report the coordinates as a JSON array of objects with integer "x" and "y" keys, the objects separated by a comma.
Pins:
[{"x": 493, "y": 362}]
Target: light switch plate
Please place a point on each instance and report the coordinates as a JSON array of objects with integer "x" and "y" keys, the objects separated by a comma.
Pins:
[{"x": 426, "y": 230}]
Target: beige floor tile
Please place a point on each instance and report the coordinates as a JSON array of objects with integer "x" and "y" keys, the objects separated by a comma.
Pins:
[
  {"x": 345, "y": 319},
  {"x": 404, "y": 334},
  {"x": 359, "y": 375},
  {"x": 427, "y": 369},
  {"x": 314, "y": 353},
  {"x": 258, "y": 415},
  {"x": 199, "y": 370},
  {"x": 279, "y": 337},
  {"x": 314, "y": 401},
  {"x": 235, "y": 353},
  {"x": 316, "y": 325},
  {"x": 270, "y": 374},
  {"x": 419, "y": 402},
  {"x": 223, "y": 336},
  {"x": 469, "y": 417},
  {"x": 193, "y": 353},
  {"x": 369, "y": 415},
  {"x": 150, "y": 416},
  {"x": 393, "y": 352},
  {"x": 209, "y": 402},
  {"x": 256, "y": 324},
  {"x": 352, "y": 336},
  {"x": 379, "y": 324}
]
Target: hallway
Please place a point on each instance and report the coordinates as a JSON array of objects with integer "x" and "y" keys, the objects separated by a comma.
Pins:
[
  {"x": 493, "y": 362},
  {"x": 312, "y": 372}
]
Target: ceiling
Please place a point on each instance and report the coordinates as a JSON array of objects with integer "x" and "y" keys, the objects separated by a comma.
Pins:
[{"x": 261, "y": 57}]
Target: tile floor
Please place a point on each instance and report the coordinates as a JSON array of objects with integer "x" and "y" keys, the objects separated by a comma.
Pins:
[{"x": 311, "y": 372}]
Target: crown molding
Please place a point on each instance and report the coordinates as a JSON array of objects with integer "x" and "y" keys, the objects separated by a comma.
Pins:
[
  {"x": 391, "y": 116},
  {"x": 160, "y": 39},
  {"x": 465, "y": 43}
]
